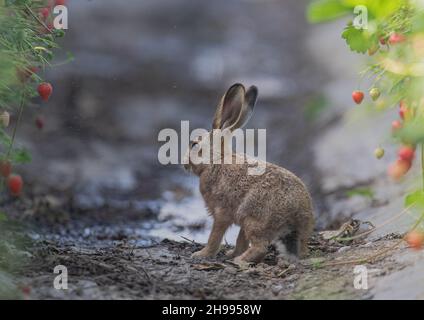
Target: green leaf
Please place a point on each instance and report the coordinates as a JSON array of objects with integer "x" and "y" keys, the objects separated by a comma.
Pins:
[
  {"x": 415, "y": 198},
  {"x": 20, "y": 156},
  {"x": 363, "y": 192},
  {"x": 357, "y": 40},
  {"x": 3, "y": 217},
  {"x": 326, "y": 10},
  {"x": 412, "y": 131}
]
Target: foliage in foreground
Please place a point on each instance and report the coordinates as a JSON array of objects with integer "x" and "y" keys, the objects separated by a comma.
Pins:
[
  {"x": 394, "y": 40},
  {"x": 27, "y": 38}
]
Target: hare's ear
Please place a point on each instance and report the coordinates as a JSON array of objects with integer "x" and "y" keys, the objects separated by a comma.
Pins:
[
  {"x": 248, "y": 107},
  {"x": 228, "y": 111}
]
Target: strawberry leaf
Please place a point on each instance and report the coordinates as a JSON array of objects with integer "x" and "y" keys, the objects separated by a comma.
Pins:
[
  {"x": 20, "y": 156},
  {"x": 415, "y": 198},
  {"x": 357, "y": 40}
]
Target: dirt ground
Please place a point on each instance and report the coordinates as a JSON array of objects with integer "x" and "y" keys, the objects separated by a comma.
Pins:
[{"x": 165, "y": 271}]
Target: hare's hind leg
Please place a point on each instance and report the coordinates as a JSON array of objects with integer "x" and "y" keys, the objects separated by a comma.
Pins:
[
  {"x": 257, "y": 251},
  {"x": 304, "y": 234},
  {"x": 260, "y": 238},
  {"x": 242, "y": 245},
  {"x": 297, "y": 242}
]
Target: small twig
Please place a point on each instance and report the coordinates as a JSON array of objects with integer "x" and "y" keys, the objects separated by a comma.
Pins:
[
  {"x": 189, "y": 240},
  {"x": 284, "y": 271},
  {"x": 21, "y": 108}
]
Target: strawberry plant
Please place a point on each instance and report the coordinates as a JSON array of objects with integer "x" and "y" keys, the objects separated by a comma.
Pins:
[
  {"x": 393, "y": 38},
  {"x": 27, "y": 41}
]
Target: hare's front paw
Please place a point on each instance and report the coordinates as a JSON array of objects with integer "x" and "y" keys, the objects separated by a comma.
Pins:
[
  {"x": 242, "y": 264},
  {"x": 204, "y": 253}
]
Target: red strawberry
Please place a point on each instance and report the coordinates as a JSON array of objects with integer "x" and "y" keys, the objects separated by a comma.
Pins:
[
  {"x": 404, "y": 111},
  {"x": 45, "y": 90},
  {"x": 396, "y": 125},
  {"x": 60, "y": 2},
  {"x": 44, "y": 13},
  {"x": 15, "y": 183},
  {"x": 398, "y": 169},
  {"x": 39, "y": 122},
  {"x": 5, "y": 168},
  {"x": 406, "y": 153},
  {"x": 357, "y": 96},
  {"x": 383, "y": 41},
  {"x": 396, "y": 38},
  {"x": 415, "y": 239}
]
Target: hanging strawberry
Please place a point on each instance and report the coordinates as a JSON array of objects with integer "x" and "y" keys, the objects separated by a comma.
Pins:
[
  {"x": 44, "y": 13},
  {"x": 45, "y": 90},
  {"x": 5, "y": 168},
  {"x": 39, "y": 122},
  {"x": 415, "y": 239},
  {"x": 379, "y": 153},
  {"x": 406, "y": 153},
  {"x": 396, "y": 125},
  {"x": 396, "y": 38},
  {"x": 374, "y": 94},
  {"x": 357, "y": 96},
  {"x": 4, "y": 119},
  {"x": 15, "y": 183}
]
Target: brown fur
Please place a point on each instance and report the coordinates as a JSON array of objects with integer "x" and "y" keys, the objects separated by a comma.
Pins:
[{"x": 273, "y": 205}]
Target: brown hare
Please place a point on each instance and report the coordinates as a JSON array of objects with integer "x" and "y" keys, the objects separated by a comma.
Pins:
[{"x": 270, "y": 206}]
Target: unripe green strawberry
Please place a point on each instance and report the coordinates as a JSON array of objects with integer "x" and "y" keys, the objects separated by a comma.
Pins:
[
  {"x": 373, "y": 49},
  {"x": 4, "y": 119},
  {"x": 375, "y": 93},
  {"x": 379, "y": 153}
]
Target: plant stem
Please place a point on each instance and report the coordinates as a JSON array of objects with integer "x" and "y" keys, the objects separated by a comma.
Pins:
[
  {"x": 422, "y": 163},
  {"x": 21, "y": 108},
  {"x": 38, "y": 19}
]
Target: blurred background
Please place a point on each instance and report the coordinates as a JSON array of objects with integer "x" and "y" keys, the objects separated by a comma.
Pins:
[{"x": 147, "y": 65}]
